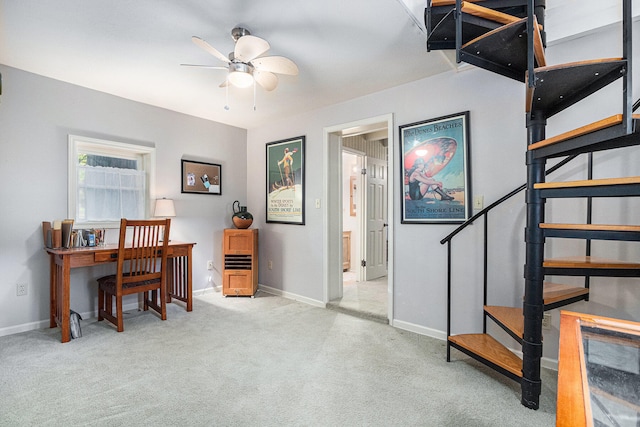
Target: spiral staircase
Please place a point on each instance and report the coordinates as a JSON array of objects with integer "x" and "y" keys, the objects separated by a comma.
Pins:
[{"x": 507, "y": 37}]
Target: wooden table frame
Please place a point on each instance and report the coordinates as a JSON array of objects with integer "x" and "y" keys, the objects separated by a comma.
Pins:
[
  {"x": 61, "y": 261},
  {"x": 573, "y": 397}
]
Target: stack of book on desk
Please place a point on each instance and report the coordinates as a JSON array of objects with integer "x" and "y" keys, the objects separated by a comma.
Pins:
[{"x": 58, "y": 234}]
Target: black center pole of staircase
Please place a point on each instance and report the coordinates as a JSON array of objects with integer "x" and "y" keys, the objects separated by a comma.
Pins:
[
  {"x": 627, "y": 54},
  {"x": 533, "y": 306}
]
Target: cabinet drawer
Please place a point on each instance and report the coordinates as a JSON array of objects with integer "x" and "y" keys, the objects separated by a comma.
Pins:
[{"x": 240, "y": 241}]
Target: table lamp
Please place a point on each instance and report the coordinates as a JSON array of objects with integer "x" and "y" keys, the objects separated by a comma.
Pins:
[{"x": 164, "y": 208}]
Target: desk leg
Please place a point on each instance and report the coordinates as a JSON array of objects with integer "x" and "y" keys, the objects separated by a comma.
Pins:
[
  {"x": 179, "y": 277},
  {"x": 189, "y": 282},
  {"x": 52, "y": 290},
  {"x": 60, "y": 282}
]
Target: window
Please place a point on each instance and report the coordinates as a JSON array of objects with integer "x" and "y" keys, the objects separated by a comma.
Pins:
[{"x": 108, "y": 180}]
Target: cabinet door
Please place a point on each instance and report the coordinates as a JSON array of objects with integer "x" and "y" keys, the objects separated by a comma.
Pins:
[
  {"x": 346, "y": 250},
  {"x": 237, "y": 283}
]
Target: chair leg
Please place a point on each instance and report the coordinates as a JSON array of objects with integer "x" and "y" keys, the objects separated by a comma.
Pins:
[
  {"x": 120, "y": 324},
  {"x": 101, "y": 305},
  {"x": 108, "y": 303},
  {"x": 163, "y": 302}
]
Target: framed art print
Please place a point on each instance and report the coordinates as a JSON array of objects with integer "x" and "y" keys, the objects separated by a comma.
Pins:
[
  {"x": 436, "y": 171},
  {"x": 286, "y": 181},
  {"x": 201, "y": 178}
]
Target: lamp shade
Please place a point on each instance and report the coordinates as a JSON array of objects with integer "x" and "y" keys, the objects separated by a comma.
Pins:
[{"x": 165, "y": 208}]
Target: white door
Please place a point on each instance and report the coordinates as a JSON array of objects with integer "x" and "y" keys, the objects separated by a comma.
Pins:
[{"x": 376, "y": 219}]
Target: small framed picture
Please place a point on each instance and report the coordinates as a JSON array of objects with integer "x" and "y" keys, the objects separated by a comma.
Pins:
[
  {"x": 201, "y": 177},
  {"x": 285, "y": 181}
]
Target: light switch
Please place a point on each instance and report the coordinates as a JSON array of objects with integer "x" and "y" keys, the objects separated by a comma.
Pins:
[
  {"x": 478, "y": 202},
  {"x": 317, "y": 203}
]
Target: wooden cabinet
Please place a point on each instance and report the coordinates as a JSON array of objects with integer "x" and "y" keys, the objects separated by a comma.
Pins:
[
  {"x": 240, "y": 252},
  {"x": 346, "y": 250}
]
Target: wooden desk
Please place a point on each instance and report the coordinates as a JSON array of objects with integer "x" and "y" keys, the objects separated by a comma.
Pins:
[{"x": 61, "y": 262}]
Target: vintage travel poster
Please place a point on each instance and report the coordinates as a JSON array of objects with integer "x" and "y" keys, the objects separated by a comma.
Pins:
[
  {"x": 435, "y": 170},
  {"x": 285, "y": 181}
]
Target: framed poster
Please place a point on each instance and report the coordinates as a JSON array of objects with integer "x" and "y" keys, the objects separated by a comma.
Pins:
[
  {"x": 285, "y": 181},
  {"x": 200, "y": 177},
  {"x": 436, "y": 171}
]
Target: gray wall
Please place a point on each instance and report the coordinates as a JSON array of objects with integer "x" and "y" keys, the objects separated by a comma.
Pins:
[{"x": 36, "y": 115}]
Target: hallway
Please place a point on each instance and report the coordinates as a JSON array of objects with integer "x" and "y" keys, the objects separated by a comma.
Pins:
[{"x": 363, "y": 299}]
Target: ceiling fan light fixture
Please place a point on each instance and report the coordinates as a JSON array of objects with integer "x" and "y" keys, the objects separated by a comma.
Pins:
[{"x": 240, "y": 74}]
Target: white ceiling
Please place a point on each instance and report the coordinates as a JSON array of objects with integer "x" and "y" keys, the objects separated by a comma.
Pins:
[{"x": 343, "y": 48}]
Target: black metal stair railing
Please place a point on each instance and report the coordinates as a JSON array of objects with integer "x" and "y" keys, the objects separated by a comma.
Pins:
[{"x": 483, "y": 213}]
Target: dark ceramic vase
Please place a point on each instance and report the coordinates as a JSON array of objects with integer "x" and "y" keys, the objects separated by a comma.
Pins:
[{"x": 241, "y": 218}]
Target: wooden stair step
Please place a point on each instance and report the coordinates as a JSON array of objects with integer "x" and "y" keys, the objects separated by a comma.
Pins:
[
  {"x": 437, "y": 3},
  {"x": 605, "y": 134},
  {"x": 558, "y": 295},
  {"x": 486, "y": 13},
  {"x": 510, "y": 319},
  {"x": 590, "y": 266},
  {"x": 590, "y": 128},
  {"x": 441, "y": 25},
  {"x": 606, "y": 187},
  {"x": 489, "y": 351},
  {"x": 504, "y": 50},
  {"x": 557, "y": 87},
  {"x": 589, "y": 262},
  {"x": 593, "y": 231}
]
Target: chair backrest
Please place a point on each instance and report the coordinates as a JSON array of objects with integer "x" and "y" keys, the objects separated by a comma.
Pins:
[{"x": 142, "y": 250}]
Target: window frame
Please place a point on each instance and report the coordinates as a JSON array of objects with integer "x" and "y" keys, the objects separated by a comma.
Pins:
[{"x": 145, "y": 154}]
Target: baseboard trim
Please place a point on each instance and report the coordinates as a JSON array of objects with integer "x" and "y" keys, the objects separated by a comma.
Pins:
[
  {"x": 292, "y": 296},
  {"x": 42, "y": 324},
  {"x": 420, "y": 330}
]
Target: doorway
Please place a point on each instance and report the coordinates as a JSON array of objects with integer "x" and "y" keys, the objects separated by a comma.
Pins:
[{"x": 357, "y": 209}]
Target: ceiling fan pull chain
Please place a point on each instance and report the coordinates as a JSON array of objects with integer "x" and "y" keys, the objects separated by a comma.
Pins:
[{"x": 254, "y": 94}]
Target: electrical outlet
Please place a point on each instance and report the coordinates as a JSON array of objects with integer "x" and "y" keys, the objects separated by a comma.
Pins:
[
  {"x": 21, "y": 289},
  {"x": 209, "y": 265},
  {"x": 546, "y": 321},
  {"x": 270, "y": 265}
]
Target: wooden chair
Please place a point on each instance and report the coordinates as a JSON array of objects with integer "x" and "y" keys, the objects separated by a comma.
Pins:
[{"x": 141, "y": 268}]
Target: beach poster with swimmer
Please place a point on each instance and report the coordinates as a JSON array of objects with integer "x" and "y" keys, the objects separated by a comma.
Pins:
[
  {"x": 285, "y": 181},
  {"x": 435, "y": 170}
]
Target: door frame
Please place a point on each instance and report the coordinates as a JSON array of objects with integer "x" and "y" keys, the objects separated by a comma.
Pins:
[{"x": 332, "y": 212}]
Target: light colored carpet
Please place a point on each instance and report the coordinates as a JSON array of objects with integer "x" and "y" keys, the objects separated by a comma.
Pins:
[
  {"x": 363, "y": 299},
  {"x": 266, "y": 361}
]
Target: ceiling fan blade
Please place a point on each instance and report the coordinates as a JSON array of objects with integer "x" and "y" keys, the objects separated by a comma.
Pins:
[
  {"x": 276, "y": 64},
  {"x": 224, "y": 83},
  {"x": 213, "y": 67},
  {"x": 250, "y": 47},
  {"x": 212, "y": 50},
  {"x": 267, "y": 80}
]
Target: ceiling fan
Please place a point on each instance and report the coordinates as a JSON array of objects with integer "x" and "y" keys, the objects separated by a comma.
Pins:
[{"x": 245, "y": 65}]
